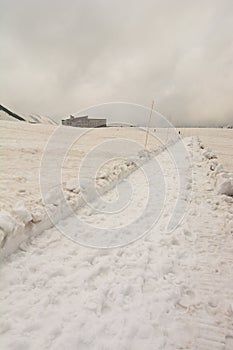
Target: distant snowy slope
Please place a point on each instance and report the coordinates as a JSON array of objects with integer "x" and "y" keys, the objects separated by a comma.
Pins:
[
  {"x": 41, "y": 119},
  {"x": 7, "y": 114}
]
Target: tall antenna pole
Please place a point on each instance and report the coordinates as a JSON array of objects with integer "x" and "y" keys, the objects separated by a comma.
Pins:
[{"x": 148, "y": 126}]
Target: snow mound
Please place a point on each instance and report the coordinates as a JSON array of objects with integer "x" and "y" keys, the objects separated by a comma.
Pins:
[
  {"x": 7, "y": 226},
  {"x": 21, "y": 212},
  {"x": 72, "y": 185},
  {"x": 53, "y": 197},
  {"x": 213, "y": 165},
  {"x": 7, "y": 222},
  {"x": 58, "y": 201},
  {"x": 226, "y": 186},
  {"x": 145, "y": 154},
  {"x": 37, "y": 215},
  {"x": 88, "y": 189},
  {"x": 209, "y": 154}
]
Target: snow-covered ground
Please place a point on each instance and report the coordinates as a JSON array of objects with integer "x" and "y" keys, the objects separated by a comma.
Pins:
[
  {"x": 220, "y": 141},
  {"x": 167, "y": 290},
  {"x": 22, "y": 146}
]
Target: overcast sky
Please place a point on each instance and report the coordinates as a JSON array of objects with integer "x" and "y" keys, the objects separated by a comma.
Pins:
[{"x": 58, "y": 57}]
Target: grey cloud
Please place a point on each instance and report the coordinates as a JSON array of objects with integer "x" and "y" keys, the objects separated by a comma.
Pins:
[{"x": 59, "y": 57}]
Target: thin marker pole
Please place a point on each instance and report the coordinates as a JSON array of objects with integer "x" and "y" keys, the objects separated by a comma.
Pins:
[{"x": 148, "y": 126}]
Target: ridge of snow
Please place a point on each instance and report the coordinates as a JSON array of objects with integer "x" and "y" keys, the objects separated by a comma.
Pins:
[{"x": 35, "y": 222}]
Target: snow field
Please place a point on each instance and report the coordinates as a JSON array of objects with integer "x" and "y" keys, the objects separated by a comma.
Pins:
[
  {"x": 164, "y": 291},
  {"x": 28, "y": 214}
]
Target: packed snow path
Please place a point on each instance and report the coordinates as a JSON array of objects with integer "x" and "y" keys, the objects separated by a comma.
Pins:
[{"x": 171, "y": 291}]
